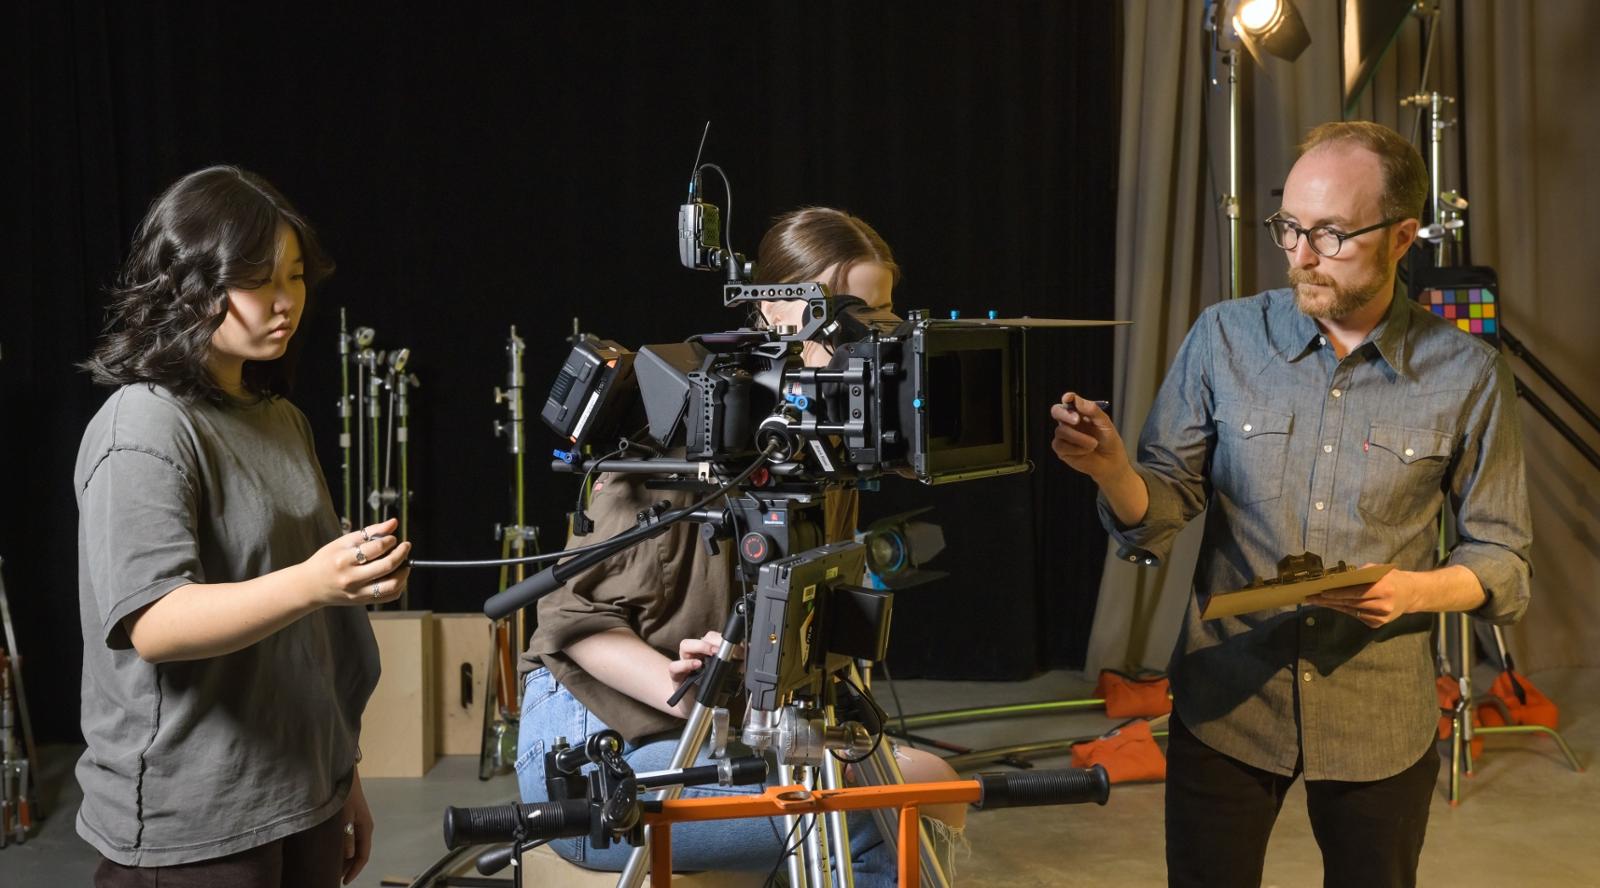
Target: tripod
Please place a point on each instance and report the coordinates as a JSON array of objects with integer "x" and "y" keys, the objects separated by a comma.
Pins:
[{"x": 805, "y": 733}]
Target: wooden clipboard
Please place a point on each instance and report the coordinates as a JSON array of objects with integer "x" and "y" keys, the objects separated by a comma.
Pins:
[{"x": 1255, "y": 598}]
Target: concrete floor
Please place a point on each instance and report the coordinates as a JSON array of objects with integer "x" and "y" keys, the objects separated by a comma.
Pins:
[{"x": 1526, "y": 819}]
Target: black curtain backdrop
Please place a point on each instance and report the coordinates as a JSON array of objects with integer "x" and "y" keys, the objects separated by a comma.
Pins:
[{"x": 469, "y": 171}]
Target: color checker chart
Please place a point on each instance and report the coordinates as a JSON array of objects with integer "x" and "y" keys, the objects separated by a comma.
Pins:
[{"x": 1472, "y": 308}]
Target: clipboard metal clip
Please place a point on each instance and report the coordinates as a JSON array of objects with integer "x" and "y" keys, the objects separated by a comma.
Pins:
[{"x": 1298, "y": 569}]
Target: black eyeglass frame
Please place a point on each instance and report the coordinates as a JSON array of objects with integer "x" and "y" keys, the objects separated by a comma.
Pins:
[{"x": 1306, "y": 233}]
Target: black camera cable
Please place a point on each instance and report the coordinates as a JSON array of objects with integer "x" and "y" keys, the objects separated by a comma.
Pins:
[
  {"x": 548, "y": 580},
  {"x": 592, "y": 547},
  {"x": 879, "y": 715}
]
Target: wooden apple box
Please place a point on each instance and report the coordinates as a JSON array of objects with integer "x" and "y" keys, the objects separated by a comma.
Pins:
[
  {"x": 399, "y": 733},
  {"x": 463, "y": 647}
]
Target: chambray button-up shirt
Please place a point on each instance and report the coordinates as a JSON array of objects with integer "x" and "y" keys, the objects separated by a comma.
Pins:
[{"x": 1287, "y": 449}]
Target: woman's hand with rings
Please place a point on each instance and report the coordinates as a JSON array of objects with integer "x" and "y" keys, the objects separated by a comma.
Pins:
[{"x": 365, "y": 566}]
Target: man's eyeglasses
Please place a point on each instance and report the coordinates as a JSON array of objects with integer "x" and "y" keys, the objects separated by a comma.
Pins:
[{"x": 1325, "y": 241}]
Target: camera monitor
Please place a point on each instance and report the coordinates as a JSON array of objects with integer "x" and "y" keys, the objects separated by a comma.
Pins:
[{"x": 810, "y": 618}]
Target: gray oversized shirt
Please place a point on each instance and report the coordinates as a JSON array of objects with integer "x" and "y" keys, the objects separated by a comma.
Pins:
[
  {"x": 194, "y": 760},
  {"x": 1288, "y": 449}
]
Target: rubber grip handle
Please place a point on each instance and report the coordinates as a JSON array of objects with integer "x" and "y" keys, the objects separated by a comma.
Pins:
[
  {"x": 519, "y": 596},
  {"x": 498, "y": 823},
  {"x": 1068, "y": 786}
]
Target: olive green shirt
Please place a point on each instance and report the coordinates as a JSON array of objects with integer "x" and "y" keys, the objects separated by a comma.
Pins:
[{"x": 664, "y": 589}]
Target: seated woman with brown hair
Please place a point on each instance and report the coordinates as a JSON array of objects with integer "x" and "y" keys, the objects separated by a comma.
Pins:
[{"x": 614, "y": 643}]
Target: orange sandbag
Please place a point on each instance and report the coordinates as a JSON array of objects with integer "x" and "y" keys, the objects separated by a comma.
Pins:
[
  {"x": 1128, "y": 754},
  {"x": 1134, "y": 696},
  {"x": 1539, "y": 710}
]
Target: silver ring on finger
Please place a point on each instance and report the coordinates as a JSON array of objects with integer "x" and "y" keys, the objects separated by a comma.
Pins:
[
  {"x": 361, "y": 555},
  {"x": 377, "y": 592}
]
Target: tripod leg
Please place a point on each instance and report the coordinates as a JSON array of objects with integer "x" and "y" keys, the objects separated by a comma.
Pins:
[
  {"x": 694, "y": 737},
  {"x": 880, "y": 769},
  {"x": 837, "y": 821},
  {"x": 819, "y": 867},
  {"x": 799, "y": 876}
]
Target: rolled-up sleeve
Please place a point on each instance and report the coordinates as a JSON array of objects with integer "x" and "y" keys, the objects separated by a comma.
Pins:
[
  {"x": 1173, "y": 454},
  {"x": 1489, "y": 492},
  {"x": 611, "y": 594}
]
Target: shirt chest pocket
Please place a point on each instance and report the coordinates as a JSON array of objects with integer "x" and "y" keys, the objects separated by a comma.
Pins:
[
  {"x": 1252, "y": 444},
  {"x": 1403, "y": 472}
]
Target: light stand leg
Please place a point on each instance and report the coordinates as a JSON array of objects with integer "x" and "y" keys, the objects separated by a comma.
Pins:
[{"x": 1464, "y": 628}]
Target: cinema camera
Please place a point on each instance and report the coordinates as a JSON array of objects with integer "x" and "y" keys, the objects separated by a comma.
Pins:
[{"x": 738, "y": 416}]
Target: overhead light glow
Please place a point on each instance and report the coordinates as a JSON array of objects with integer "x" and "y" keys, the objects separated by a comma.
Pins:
[
  {"x": 1257, "y": 15},
  {"x": 1273, "y": 26}
]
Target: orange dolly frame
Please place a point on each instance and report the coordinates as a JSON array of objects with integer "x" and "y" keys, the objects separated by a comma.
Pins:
[{"x": 795, "y": 800}]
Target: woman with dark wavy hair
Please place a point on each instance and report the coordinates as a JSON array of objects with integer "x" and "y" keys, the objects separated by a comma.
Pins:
[{"x": 227, "y": 658}]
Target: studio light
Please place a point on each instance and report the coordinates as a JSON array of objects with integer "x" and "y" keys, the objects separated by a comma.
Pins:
[{"x": 1274, "y": 26}]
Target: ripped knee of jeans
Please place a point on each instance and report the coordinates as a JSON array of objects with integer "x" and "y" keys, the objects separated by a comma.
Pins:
[{"x": 949, "y": 843}]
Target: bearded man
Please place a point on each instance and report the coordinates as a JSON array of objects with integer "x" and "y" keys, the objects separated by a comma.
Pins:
[{"x": 1341, "y": 418}]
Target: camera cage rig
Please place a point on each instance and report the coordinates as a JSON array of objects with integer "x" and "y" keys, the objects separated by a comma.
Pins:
[{"x": 934, "y": 399}]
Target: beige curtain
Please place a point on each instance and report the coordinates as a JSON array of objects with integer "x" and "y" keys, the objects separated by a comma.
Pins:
[
  {"x": 1162, "y": 250},
  {"x": 1529, "y": 120}
]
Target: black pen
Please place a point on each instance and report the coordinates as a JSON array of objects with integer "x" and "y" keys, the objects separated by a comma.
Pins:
[{"x": 1105, "y": 406}]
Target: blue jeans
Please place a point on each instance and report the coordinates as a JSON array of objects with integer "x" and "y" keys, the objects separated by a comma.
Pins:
[{"x": 549, "y": 711}]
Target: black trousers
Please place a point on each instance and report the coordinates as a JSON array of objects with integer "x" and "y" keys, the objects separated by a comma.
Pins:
[
  {"x": 312, "y": 858},
  {"x": 1220, "y": 812}
]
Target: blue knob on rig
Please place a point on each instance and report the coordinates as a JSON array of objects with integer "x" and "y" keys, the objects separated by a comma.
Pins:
[
  {"x": 955, "y": 315},
  {"x": 993, "y": 315},
  {"x": 567, "y": 456},
  {"x": 917, "y": 403}
]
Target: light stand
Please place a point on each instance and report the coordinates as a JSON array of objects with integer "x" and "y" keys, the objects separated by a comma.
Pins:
[
  {"x": 1225, "y": 52},
  {"x": 1445, "y": 233},
  {"x": 345, "y": 341},
  {"x": 19, "y": 803},
  {"x": 1270, "y": 26},
  {"x": 498, "y": 750},
  {"x": 1230, "y": 201}
]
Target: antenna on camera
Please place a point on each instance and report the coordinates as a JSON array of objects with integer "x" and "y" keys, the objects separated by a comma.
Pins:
[{"x": 694, "y": 172}]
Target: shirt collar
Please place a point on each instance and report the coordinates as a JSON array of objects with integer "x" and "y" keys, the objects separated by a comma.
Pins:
[
  {"x": 1389, "y": 337},
  {"x": 1294, "y": 334}
]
